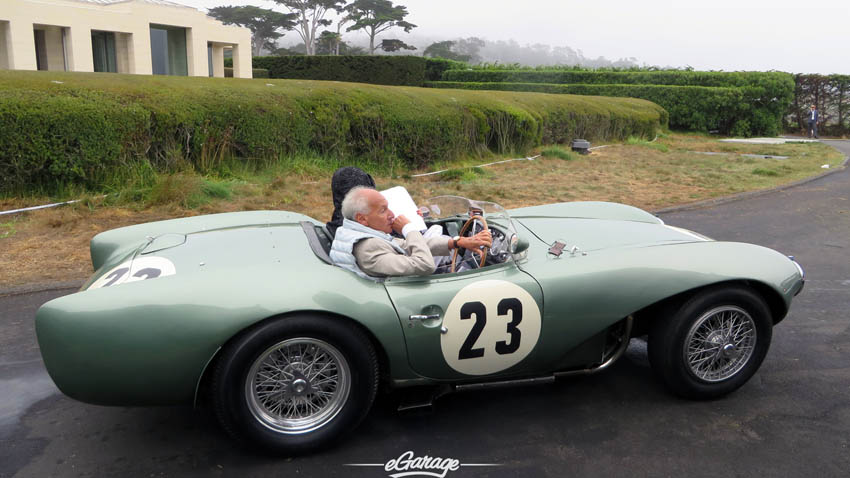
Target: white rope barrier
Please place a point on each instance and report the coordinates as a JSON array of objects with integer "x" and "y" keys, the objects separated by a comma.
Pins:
[
  {"x": 33, "y": 208},
  {"x": 530, "y": 158}
]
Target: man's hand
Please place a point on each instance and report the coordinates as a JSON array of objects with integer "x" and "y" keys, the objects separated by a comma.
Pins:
[
  {"x": 399, "y": 222},
  {"x": 483, "y": 238}
]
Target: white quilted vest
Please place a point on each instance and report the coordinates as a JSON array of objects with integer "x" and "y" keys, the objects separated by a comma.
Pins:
[{"x": 347, "y": 236}]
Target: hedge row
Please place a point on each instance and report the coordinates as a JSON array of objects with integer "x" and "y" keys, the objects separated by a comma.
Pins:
[
  {"x": 376, "y": 69},
  {"x": 743, "y": 111},
  {"x": 255, "y": 72},
  {"x": 79, "y": 128},
  {"x": 778, "y": 83},
  {"x": 386, "y": 70},
  {"x": 435, "y": 67}
]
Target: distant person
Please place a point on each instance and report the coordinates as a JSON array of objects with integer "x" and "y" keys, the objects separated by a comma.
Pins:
[
  {"x": 344, "y": 179},
  {"x": 813, "y": 122}
]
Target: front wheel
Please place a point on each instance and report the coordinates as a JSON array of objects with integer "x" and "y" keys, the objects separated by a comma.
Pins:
[
  {"x": 712, "y": 344},
  {"x": 294, "y": 384}
]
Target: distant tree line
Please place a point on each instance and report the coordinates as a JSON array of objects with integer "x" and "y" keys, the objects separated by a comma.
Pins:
[
  {"x": 321, "y": 35},
  {"x": 307, "y": 17},
  {"x": 830, "y": 94},
  {"x": 510, "y": 53}
]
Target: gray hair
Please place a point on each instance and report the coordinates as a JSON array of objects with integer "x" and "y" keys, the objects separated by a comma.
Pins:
[{"x": 355, "y": 201}]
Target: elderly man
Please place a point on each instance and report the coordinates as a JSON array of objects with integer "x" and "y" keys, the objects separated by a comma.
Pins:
[{"x": 364, "y": 245}]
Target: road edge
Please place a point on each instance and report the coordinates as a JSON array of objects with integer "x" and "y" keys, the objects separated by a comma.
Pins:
[
  {"x": 42, "y": 287},
  {"x": 751, "y": 194}
]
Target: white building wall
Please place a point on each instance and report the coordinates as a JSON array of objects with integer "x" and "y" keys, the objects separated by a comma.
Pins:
[
  {"x": 78, "y": 46},
  {"x": 218, "y": 60},
  {"x": 132, "y": 17},
  {"x": 22, "y": 44}
]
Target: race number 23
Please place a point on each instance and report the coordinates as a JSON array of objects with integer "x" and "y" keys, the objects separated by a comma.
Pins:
[
  {"x": 477, "y": 309},
  {"x": 492, "y": 325},
  {"x": 138, "y": 269}
]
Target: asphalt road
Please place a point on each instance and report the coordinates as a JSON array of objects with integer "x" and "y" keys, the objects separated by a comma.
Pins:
[{"x": 791, "y": 419}]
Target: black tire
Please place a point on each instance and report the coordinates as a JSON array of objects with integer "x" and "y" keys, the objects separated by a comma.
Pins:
[
  {"x": 692, "y": 352},
  {"x": 318, "y": 405}
]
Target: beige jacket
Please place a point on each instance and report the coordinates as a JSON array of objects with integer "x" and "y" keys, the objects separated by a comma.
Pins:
[{"x": 378, "y": 258}]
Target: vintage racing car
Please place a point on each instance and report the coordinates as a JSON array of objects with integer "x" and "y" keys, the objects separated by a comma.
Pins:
[{"x": 246, "y": 312}]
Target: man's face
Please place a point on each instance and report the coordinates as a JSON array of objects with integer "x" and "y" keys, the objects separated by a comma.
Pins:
[
  {"x": 380, "y": 217},
  {"x": 813, "y": 108}
]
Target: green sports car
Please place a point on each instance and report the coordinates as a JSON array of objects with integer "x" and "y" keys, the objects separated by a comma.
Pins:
[{"x": 246, "y": 312}]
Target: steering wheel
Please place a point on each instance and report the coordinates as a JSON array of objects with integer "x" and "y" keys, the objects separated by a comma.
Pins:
[{"x": 466, "y": 227}]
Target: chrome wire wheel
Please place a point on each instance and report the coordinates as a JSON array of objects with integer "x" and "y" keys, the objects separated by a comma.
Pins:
[
  {"x": 298, "y": 385},
  {"x": 720, "y": 343}
]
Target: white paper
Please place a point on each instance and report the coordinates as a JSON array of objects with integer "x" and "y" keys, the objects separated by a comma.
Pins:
[{"x": 401, "y": 204}]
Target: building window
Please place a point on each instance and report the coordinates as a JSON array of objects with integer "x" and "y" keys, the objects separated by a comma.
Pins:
[
  {"x": 5, "y": 62},
  {"x": 168, "y": 50},
  {"x": 210, "y": 58},
  {"x": 40, "y": 50},
  {"x": 103, "y": 50},
  {"x": 50, "y": 47}
]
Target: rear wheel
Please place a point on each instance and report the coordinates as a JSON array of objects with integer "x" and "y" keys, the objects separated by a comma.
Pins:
[
  {"x": 295, "y": 384},
  {"x": 712, "y": 344}
]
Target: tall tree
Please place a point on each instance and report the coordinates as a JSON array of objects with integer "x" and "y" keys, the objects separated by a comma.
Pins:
[
  {"x": 328, "y": 43},
  {"x": 343, "y": 19},
  {"x": 376, "y": 16},
  {"x": 391, "y": 45},
  {"x": 310, "y": 15},
  {"x": 265, "y": 24}
]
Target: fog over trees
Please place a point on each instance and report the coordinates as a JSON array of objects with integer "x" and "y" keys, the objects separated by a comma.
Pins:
[
  {"x": 476, "y": 50},
  {"x": 336, "y": 27}
]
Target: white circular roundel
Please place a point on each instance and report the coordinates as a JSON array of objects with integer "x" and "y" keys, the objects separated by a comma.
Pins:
[
  {"x": 145, "y": 267},
  {"x": 492, "y": 325}
]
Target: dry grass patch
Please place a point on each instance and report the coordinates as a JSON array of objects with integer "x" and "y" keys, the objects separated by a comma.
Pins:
[{"x": 52, "y": 245}]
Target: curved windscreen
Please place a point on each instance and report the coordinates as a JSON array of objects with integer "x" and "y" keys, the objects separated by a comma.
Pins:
[
  {"x": 441, "y": 207},
  {"x": 444, "y": 207}
]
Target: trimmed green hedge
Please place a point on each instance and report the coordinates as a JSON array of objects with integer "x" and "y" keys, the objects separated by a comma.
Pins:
[
  {"x": 352, "y": 68},
  {"x": 379, "y": 70},
  {"x": 80, "y": 128},
  {"x": 255, "y": 72},
  {"x": 780, "y": 84},
  {"x": 742, "y": 111},
  {"x": 434, "y": 67},
  {"x": 48, "y": 140}
]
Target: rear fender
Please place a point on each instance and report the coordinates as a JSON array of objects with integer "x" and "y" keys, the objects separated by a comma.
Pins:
[
  {"x": 107, "y": 246},
  {"x": 154, "y": 351}
]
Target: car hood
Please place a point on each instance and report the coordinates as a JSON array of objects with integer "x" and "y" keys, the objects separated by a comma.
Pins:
[
  {"x": 595, "y": 234},
  {"x": 595, "y": 225}
]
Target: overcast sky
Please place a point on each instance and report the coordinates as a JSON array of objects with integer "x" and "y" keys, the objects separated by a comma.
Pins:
[{"x": 788, "y": 35}]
